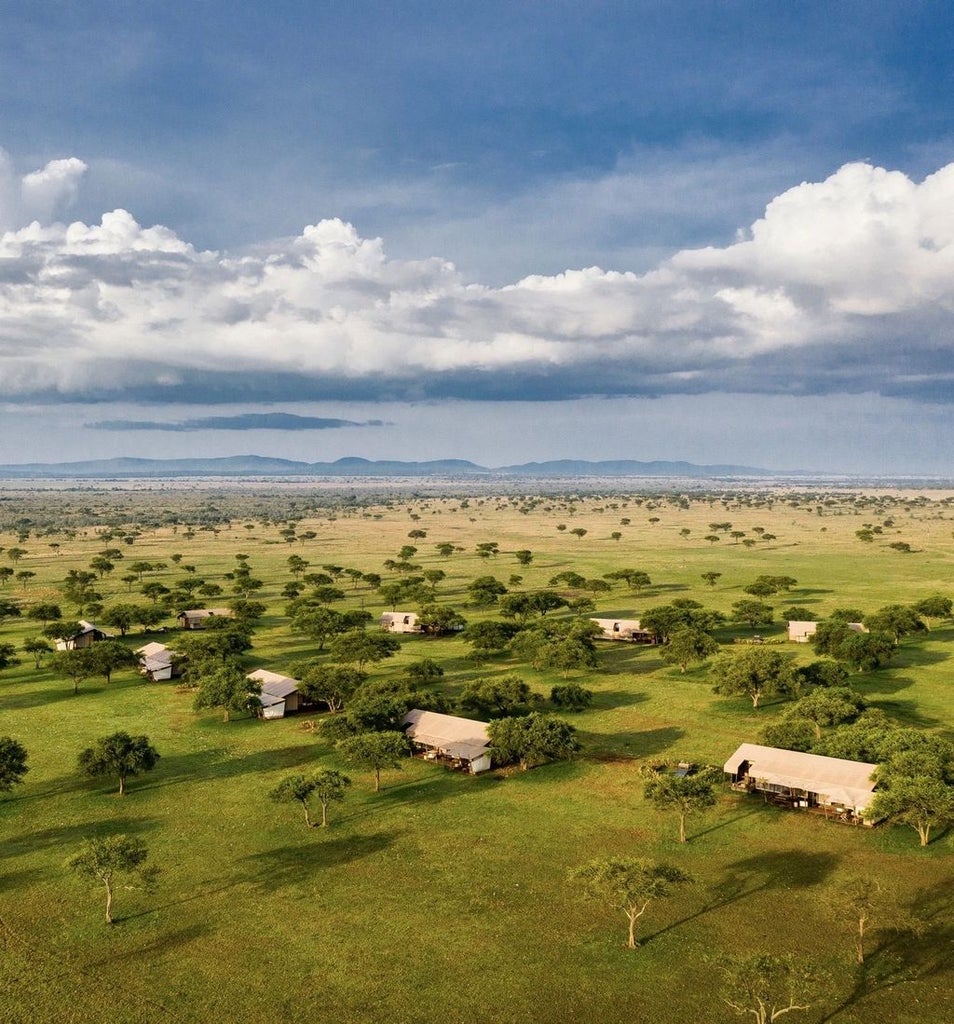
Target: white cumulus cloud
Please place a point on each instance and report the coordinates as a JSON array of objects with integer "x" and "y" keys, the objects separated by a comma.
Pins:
[
  {"x": 40, "y": 195},
  {"x": 843, "y": 285}
]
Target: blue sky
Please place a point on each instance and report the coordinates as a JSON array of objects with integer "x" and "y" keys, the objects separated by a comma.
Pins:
[{"x": 494, "y": 231}]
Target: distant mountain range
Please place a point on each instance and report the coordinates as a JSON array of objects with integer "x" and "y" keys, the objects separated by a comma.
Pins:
[{"x": 257, "y": 465}]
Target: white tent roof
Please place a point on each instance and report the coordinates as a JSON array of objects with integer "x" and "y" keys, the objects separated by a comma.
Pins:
[
  {"x": 273, "y": 683},
  {"x": 459, "y": 737},
  {"x": 151, "y": 649},
  {"x": 832, "y": 778}
]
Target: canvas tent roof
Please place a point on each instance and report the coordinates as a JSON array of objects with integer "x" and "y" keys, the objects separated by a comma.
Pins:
[
  {"x": 273, "y": 683},
  {"x": 89, "y": 627},
  {"x": 151, "y": 649},
  {"x": 836, "y": 780},
  {"x": 459, "y": 737}
]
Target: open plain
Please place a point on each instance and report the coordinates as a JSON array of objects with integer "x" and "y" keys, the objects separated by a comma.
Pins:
[{"x": 447, "y": 897}]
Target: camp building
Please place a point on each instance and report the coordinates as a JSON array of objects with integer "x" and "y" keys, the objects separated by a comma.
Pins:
[
  {"x": 842, "y": 789},
  {"x": 456, "y": 742}
]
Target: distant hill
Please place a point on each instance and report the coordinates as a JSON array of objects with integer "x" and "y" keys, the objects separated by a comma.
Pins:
[{"x": 258, "y": 465}]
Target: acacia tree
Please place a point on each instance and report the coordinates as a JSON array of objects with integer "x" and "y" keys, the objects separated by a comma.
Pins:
[
  {"x": 331, "y": 685},
  {"x": 109, "y": 655},
  {"x": 230, "y": 689},
  {"x": 375, "y": 751},
  {"x": 766, "y": 987},
  {"x": 296, "y": 787},
  {"x": 571, "y": 697},
  {"x": 101, "y": 860},
  {"x": 752, "y": 613},
  {"x": 688, "y": 644},
  {"x": 630, "y": 884},
  {"x": 13, "y": 763},
  {"x": 897, "y": 620},
  {"x": 756, "y": 672},
  {"x": 77, "y": 665},
  {"x": 38, "y": 647},
  {"x": 358, "y": 647},
  {"x": 827, "y": 706},
  {"x": 856, "y": 902},
  {"x": 683, "y": 794},
  {"x": 531, "y": 740},
  {"x": 330, "y": 787},
  {"x": 921, "y": 802},
  {"x": 119, "y": 755},
  {"x": 508, "y": 695}
]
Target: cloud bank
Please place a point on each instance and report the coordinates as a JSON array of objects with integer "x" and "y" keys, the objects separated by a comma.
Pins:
[
  {"x": 844, "y": 285},
  {"x": 243, "y": 421}
]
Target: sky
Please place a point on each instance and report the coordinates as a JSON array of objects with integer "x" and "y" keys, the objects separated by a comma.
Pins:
[{"x": 721, "y": 232}]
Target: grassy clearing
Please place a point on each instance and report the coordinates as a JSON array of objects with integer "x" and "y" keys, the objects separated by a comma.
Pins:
[{"x": 447, "y": 896}]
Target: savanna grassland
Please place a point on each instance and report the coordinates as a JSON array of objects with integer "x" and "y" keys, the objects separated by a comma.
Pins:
[{"x": 446, "y": 897}]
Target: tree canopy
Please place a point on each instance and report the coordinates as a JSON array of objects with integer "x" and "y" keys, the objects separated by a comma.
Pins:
[
  {"x": 755, "y": 672},
  {"x": 121, "y": 756},
  {"x": 13, "y": 763},
  {"x": 629, "y": 884}
]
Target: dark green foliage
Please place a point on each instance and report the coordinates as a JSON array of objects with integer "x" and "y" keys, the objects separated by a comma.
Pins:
[
  {"x": 486, "y": 638},
  {"x": 120, "y": 756},
  {"x": 424, "y": 671},
  {"x": 936, "y": 607},
  {"x": 683, "y": 794},
  {"x": 440, "y": 620},
  {"x": 108, "y": 655},
  {"x": 508, "y": 695},
  {"x": 77, "y": 665},
  {"x": 485, "y": 590},
  {"x": 227, "y": 688},
  {"x": 686, "y": 645},
  {"x": 752, "y": 613},
  {"x": 44, "y": 612},
  {"x": 375, "y": 751},
  {"x": 789, "y": 734},
  {"x": 13, "y": 763},
  {"x": 821, "y": 673},
  {"x": 754, "y": 672},
  {"x": 897, "y": 620},
  {"x": 331, "y": 685},
  {"x": 359, "y": 648},
  {"x": 571, "y": 697},
  {"x": 531, "y": 740},
  {"x": 797, "y": 614}
]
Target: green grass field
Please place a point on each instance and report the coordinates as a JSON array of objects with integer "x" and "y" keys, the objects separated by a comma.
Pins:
[{"x": 446, "y": 897}]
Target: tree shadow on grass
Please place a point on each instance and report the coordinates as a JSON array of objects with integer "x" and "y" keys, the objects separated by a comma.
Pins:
[
  {"x": 68, "y": 836},
  {"x": 882, "y": 682},
  {"x": 914, "y": 655},
  {"x": 618, "y": 698},
  {"x": 19, "y": 880},
  {"x": 57, "y": 692},
  {"x": 158, "y": 946},
  {"x": 723, "y": 822},
  {"x": 439, "y": 784},
  {"x": 219, "y": 763},
  {"x": 783, "y": 869},
  {"x": 290, "y": 865},
  {"x": 642, "y": 743},
  {"x": 628, "y": 657},
  {"x": 283, "y": 866},
  {"x": 904, "y": 956},
  {"x": 908, "y": 712}
]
